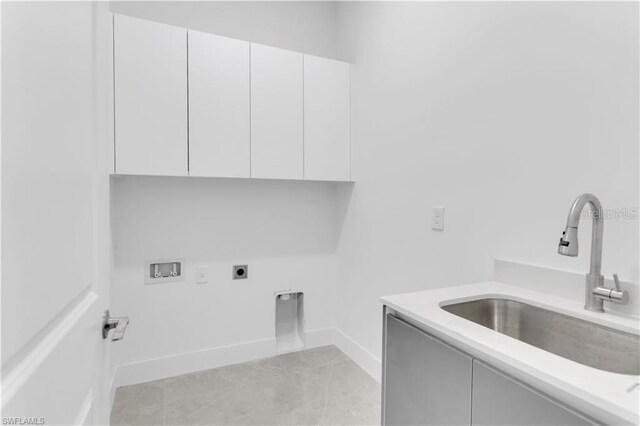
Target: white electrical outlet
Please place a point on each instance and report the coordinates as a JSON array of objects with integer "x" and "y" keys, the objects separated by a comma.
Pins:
[
  {"x": 202, "y": 274},
  {"x": 437, "y": 218}
]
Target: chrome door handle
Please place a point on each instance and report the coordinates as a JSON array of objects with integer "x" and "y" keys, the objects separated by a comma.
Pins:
[{"x": 117, "y": 323}]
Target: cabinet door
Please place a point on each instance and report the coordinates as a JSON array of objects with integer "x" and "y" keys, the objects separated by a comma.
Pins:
[
  {"x": 500, "y": 400},
  {"x": 326, "y": 119},
  {"x": 150, "y": 97},
  {"x": 218, "y": 106},
  {"x": 425, "y": 381},
  {"x": 276, "y": 113}
]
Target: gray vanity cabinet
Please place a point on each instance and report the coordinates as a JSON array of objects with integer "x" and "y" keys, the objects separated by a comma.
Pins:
[
  {"x": 428, "y": 382},
  {"x": 501, "y": 400},
  {"x": 425, "y": 381}
]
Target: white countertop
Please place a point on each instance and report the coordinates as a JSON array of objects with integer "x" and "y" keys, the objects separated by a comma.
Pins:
[{"x": 608, "y": 397}]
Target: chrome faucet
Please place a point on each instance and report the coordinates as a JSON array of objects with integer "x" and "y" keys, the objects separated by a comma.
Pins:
[{"x": 595, "y": 293}]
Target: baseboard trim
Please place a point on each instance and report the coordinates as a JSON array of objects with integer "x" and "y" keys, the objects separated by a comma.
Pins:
[
  {"x": 174, "y": 365},
  {"x": 322, "y": 337},
  {"x": 365, "y": 359},
  {"x": 161, "y": 368}
]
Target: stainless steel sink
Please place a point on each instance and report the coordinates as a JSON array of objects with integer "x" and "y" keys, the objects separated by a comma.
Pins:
[{"x": 581, "y": 341}]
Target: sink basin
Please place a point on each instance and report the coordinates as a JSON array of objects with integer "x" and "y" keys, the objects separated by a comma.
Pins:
[{"x": 585, "y": 342}]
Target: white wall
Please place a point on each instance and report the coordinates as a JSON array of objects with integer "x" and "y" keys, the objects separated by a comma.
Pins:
[
  {"x": 285, "y": 231},
  {"x": 308, "y": 27},
  {"x": 502, "y": 113}
]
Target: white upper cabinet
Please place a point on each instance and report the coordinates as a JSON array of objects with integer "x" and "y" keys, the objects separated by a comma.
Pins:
[
  {"x": 150, "y": 97},
  {"x": 198, "y": 104},
  {"x": 276, "y": 113},
  {"x": 219, "y": 106},
  {"x": 326, "y": 119}
]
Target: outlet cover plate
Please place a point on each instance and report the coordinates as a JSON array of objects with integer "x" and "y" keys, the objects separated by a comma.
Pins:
[
  {"x": 202, "y": 274},
  {"x": 240, "y": 272},
  {"x": 437, "y": 218}
]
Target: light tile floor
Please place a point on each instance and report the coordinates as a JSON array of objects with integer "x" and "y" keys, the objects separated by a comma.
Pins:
[{"x": 320, "y": 386}]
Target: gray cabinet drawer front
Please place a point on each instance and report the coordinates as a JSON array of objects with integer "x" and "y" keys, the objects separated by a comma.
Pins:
[
  {"x": 501, "y": 400},
  {"x": 426, "y": 381}
]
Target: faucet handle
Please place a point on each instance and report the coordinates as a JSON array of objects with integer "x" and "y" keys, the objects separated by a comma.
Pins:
[
  {"x": 616, "y": 282},
  {"x": 612, "y": 294},
  {"x": 617, "y": 295}
]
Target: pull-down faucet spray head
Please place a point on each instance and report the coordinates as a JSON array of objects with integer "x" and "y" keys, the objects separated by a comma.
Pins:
[{"x": 568, "y": 245}]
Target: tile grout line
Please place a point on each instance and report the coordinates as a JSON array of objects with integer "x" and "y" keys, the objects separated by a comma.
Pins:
[
  {"x": 326, "y": 396},
  {"x": 214, "y": 400}
]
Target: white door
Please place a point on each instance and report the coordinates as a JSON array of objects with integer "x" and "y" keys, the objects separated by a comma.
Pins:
[
  {"x": 55, "y": 265},
  {"x": 276, "y": 113},
  {"x": 150, "y": 97},
  {"x": 326, "y": 119},
  {"x": 219, "y": 128}
]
